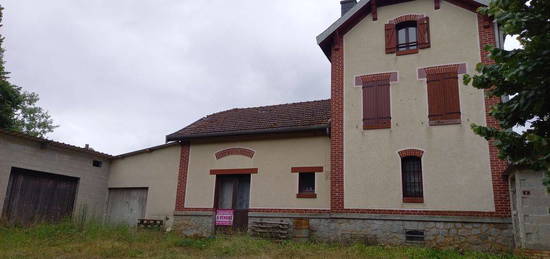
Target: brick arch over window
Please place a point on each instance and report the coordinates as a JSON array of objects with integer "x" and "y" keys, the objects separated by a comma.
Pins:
[
  {"x": 235, "y": 151},
  {"x": 411, "y": 152},
  {"x": 421, "y": 41},
  {"x": 406, "y": 18}
]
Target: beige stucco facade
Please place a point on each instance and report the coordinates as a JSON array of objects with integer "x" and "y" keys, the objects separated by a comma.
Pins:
[
  {"x": 156, "y": 170},
  {"x": 455, "y": 163},
  {"x": 274, "y": 186}
]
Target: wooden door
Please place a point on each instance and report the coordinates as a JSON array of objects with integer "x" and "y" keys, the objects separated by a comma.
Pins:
[
  {"x": 233, "y": 193},
  {"x": 126, "y": 205},
  {"x": 34, "y": 196}
]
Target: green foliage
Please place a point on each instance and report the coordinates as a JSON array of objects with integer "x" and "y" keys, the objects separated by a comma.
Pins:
[
  {"x": 524, "y": 75},
  {"x": 18, "y": 110}
]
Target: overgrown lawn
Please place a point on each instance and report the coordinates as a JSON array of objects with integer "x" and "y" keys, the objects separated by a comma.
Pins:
[{"x": 68, "y": 240}]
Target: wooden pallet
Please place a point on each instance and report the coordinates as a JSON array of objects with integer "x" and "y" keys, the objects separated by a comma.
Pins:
[{"x": 272, "y": 230}]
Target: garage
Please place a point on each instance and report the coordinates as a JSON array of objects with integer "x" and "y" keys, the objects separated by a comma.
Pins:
[
  {"x": 126, "y": 205},
  {"x": 34, "y": 196},
  {"x": 45, "y": 180}
]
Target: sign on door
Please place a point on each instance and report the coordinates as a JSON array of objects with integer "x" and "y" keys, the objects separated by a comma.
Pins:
[{"x": 224, "y": 217}]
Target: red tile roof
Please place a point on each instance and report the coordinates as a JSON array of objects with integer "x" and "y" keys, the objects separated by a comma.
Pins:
[{"x": 291, "y": 117}]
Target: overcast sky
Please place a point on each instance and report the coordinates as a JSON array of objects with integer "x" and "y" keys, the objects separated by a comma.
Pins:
[{"x": 122, "y": 74}]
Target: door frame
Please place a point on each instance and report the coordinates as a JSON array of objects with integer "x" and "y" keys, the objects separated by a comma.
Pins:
[{"x": 219, "y": 176}]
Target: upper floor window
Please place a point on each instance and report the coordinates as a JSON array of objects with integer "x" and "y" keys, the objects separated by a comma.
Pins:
[
  {"x": 406, "y": 36},
  {"x": 443, "y": 93},
  {"x": 376, "y": 99}
]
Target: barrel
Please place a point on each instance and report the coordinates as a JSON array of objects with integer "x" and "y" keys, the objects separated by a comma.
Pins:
[{"x": 301, "y": 230}]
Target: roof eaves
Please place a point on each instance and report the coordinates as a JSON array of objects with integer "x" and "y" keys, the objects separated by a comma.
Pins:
[
  {"x": 334, "y": 26},
  {"x": 55, "y": 143},
  {"x": 247, "y": 132}
]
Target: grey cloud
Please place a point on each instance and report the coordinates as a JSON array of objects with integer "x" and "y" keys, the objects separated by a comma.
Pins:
[{"x": 120, "y": 75}]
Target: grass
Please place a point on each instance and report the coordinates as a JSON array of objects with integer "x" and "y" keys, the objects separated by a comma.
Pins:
[{"x": 68, "y": 240}]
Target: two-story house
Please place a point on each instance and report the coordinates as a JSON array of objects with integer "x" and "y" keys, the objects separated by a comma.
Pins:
[{"x": 390, "y": 158}]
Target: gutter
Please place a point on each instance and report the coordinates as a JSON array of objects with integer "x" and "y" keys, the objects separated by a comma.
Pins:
[{"x": 249, "y": 132}]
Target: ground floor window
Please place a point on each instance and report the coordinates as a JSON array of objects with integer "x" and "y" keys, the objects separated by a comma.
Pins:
[
  {"x": 411, "y": 168},
  {"x": 306, "y": 185}
]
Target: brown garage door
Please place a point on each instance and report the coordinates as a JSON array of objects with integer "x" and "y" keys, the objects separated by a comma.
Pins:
[{"x": 34, "y": 196}]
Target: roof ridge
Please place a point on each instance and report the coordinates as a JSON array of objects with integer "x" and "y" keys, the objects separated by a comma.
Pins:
[{"x": 265, "y": 106}]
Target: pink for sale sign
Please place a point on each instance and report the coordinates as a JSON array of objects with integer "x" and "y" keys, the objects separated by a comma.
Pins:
[{"x": 224, "y": 217}]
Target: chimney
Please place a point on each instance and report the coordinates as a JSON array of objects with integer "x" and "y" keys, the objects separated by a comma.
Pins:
[{"x": 347, "y": 5}]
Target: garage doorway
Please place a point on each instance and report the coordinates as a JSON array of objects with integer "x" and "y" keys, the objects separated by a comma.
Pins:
[
  {"x": 126, "y": 205},
  {"x": 35, "y": 196}
]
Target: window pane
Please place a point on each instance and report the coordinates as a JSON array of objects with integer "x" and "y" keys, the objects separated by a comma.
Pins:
[
  {"x": 412, "y": 34},
  {"x": 402, "y": 36},
  {"x": 306, "y": 182},
  {"x": 243, "y": 195},
  {"x": 412, "y": 177},
  {"x": 226, "y": 194}
]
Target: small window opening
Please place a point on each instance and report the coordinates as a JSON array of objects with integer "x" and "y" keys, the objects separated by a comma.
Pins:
[
  {"x": 414, "y": 235},
  {"x": 97, "y": 163},
  {"x": 411, "y": 169},
  {"x": 406, "y": 36},
  {"x": 306, "y": 183}
]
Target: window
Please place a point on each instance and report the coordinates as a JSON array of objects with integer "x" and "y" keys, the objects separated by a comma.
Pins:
[
  {"x": 376, "y": 105},
  {"x": 411, "y": 170},
  {"x": 306, "y": 185},
  {"x": 97, "y": 163},
  {"x": 406, "y": 36},
  {"x": 443, "y": 98}
]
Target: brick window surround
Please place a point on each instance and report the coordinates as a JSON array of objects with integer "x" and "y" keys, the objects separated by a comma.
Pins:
[
  {"x": 376, "y": 99},
  {"x": 411, "y": 153},
  {"x": 234, "y": 171},
  {"x": 306, "y": 170},
  {"x": 443, "y": 93},
  {"x": 422, "y": 33}
]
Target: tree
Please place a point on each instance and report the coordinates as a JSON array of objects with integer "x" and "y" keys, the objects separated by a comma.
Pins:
[
  {"x": 524, "y": 76},
  {"x": 18, "y": 110}
]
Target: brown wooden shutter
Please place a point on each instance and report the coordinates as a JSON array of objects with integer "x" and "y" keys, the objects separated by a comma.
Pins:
[
  {"x": 452, "y": 100},
  {"x": 391, "y": 38},
  {"x": 376, "y": 105},
  {"x": 423, "y": 25},
  {"x": 443, "y": 98},
  {"x": 436, "y": 98}
]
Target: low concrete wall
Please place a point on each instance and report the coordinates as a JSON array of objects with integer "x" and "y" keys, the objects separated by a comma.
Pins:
[{"x": 480, "y": 234}]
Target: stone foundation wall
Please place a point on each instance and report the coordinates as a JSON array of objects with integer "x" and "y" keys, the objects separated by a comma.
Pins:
[
  {"x": 480, "y": 234},
  {"x": 199, "y": 224}
]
